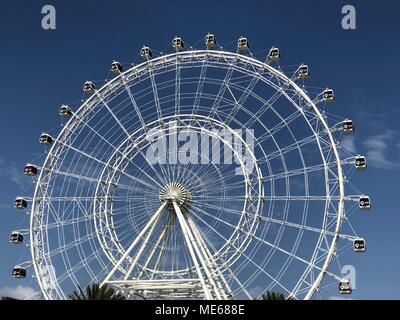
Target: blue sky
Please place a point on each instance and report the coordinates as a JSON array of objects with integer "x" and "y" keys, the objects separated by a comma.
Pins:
[{"x": 43, "y": 69}]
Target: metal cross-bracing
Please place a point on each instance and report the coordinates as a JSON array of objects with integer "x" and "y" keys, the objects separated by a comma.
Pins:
[{"x": 200, "y": 174}]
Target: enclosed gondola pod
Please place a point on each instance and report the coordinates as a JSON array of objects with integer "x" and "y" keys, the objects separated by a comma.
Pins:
[
  {"x": 146, "y": 53},
  {"x": 359, "y": 245},
  {"x": 16, "y": 237},
  {"x": 178, "y": 44},
  {"x": 45, "y": 139},
  {"x": 89, "y": 87},
  {"x": 65, "y": 111},
  {"x": 345, "y": 287},
  {"x": 348, "y": 126},
  {"x": 20, "y": 203},
  {"x": 328, "y": 96},
  {"x": 360, "y": 162},
  {"x": 30, "y": 170},
  {"x": 364, "y": 202},
  {"x": 243, "y": 44},
  {"x": 303, "y": 72},
  {"x": 274, "y": 54},
  {"x": 211, "y": 41},
  {"x": 116, "y": 67},
  {"x": 19, "y": 272}
]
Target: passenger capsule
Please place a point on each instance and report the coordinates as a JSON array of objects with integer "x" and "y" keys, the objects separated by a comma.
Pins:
[
  {"x": 20, "y": 203},
  {"x": 19, "y": 272},
  {"x": 65, "y": 111},
  {"x": 45, "y": 139},
  {"x": 116, "y": 67},
  {"x": 348, "y": 126},
  {"x": 211, "y": 41},
  {"x": 243, "y": 44},
  {"x": 345, "y": 287},
  {"x": 30, "y": 170},
  {"x": 16, "y": 237},
  {"x": 89, "y": 87},
  {"x": 303, "y": 72},
  {"x": 146, "y": 53},
  {"x": 274, "y": 54},
  {"x": 364, "y": 202},
  {"x": 359, "y": 245},
  {"x": 178, "y": 44},
  {"x": 360, "y": 162},
  {"x": 328, "y": 96}
]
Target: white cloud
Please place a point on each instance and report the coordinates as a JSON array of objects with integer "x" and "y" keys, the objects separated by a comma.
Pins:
[
  {"x": 18, "y": 292},
  {"x": 11, "y": 172},
  {"x": 380, "y": 152},
  {"x": 349, "y": 143},
  {"x": 17, "y": 177}
]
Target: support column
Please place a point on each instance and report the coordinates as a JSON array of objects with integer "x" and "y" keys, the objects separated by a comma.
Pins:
[
  {"x": 134, "y": 243},
  {"x": 182, "y": 222}
]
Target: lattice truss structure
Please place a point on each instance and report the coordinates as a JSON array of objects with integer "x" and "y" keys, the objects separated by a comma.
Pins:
[{"x": 249, "y": 192}]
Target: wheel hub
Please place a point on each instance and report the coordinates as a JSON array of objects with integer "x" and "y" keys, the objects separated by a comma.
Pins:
[{"x": 176, "y": 192}]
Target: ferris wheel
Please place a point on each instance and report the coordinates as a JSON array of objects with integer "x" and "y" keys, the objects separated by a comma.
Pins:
[{"x": 201, "y": 173}]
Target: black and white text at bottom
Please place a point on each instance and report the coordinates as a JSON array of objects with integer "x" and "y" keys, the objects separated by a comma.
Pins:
[{"x": 235, "y": 310}]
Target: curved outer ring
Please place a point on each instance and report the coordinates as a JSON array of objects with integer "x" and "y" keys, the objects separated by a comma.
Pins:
[{"x": 36, "y": 248}]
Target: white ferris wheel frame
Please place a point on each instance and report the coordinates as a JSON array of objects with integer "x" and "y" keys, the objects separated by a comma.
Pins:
[{"x": 36, "y": 232}]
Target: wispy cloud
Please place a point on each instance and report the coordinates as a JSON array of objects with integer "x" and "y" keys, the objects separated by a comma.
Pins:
[
  {"x": 18, "y": 292},
  {"x": 382, "y": 150},
  {"x": 17, "y": 177},
  {"x": 12, "y": 173},
  {"x": 349, "y": 144}
]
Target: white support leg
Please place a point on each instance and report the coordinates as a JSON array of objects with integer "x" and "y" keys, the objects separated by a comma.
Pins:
[
  {"x": 182, "y": 222},
  {"x": 207, "y": 254},
  {"x": 143, "y": 247},
  {"x": 203, "y": 259},
  {"x": 134, "y": 243},
  {"x": 155, "y": 247},
  {"x": 164, "y": 244}
]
